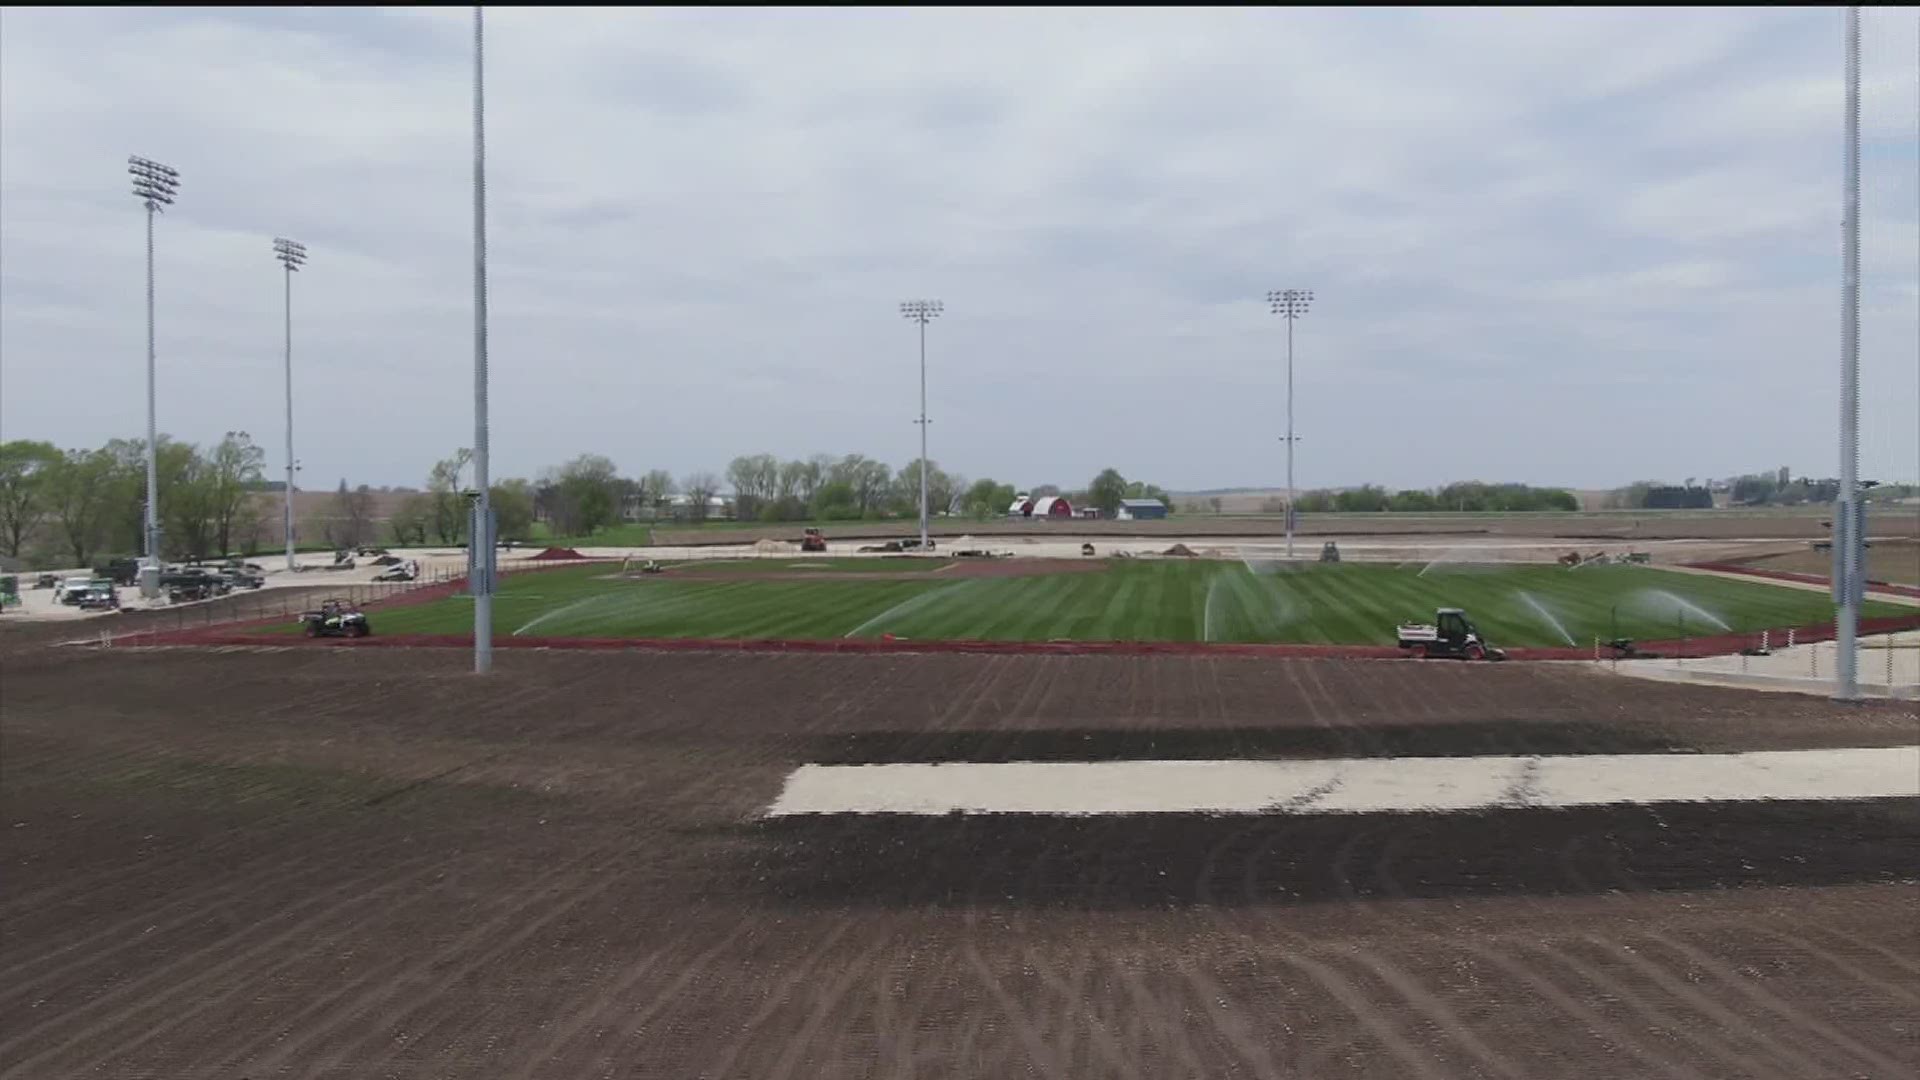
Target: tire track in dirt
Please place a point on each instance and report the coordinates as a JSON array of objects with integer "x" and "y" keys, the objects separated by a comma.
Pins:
[
  {"x": 825, "y": 1006},
  {"x": 1740, "y": 1032},
  {"x": 1834, "y": 960},
  {"x": 1151, "y": 1013},
  {"x": 609, "y": 999},
  {"x": 1040, "y": 1057},
  {"x": 325, "y": 1012},
  {"x": 1802, "y": 1019},
  {"x": 1611, "y": 1036},
  {"x": 1075, "y": 1007},
  {"x": 334, "y": 902},
  {"x": 186, "y": 909},
  {"x": 782, "y": 996},
  {"x": 444, "y": 971}
]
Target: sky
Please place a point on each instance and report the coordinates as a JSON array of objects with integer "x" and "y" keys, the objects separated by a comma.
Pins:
[{"x": 1575, "y": 247}]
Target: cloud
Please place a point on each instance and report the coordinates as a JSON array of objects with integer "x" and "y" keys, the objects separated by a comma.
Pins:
[{"x": 1559, "y": 246}]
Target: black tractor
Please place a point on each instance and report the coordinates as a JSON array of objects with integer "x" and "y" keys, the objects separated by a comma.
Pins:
[{"x": 335, "y": 618}]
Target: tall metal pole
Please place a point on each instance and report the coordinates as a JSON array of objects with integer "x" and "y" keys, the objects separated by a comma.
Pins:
[
  {"x": 1289, "y": 437},
  {"x": 154, "y": 185},
  {"x": 1290, "y": 304},
  {"x": 292, "y": 255},
  {"x": 289, "y": 357},
  {"x": 922, "y": 312},
  {"x": 153, "y": 427},
  {"x": 480, "y": 537},
  {"x": 1846, "y": 618},
  {"x": 923, "y": 436}
]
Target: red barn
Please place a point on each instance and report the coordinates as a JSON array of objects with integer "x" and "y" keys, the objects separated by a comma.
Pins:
[{"x": 1052, "y": 506}]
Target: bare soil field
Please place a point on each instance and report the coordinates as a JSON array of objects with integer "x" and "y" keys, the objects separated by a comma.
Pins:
[
  {"x": 331, "y": 862},
  {"x": 962, "y": 568},
  {"x": 1610, "y": 525},
  {"x": 1890, "y": 561}
]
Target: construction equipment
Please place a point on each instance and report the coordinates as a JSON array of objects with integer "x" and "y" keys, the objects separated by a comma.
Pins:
[
  {"x": 1330, "y": 552},
  {"x": 335, "y": 618},
  {"x": 813, "y": 540},
  {"x": 1450, "y": 636}
]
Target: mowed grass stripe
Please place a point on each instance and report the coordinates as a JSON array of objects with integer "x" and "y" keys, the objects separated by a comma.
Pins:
[{"x": 1145, "y": 600}]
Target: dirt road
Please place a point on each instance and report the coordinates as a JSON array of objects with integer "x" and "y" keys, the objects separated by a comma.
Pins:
[{"x": 311, "y": 862}]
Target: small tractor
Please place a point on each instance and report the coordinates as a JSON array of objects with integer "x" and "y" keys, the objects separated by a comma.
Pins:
[
  {"x": 1451, "y": 635},
  {"x": 335, "y": 618},
  {"x": 813, "y": 540}
]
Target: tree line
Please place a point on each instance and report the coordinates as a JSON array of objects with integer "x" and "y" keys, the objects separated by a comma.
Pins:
[
  {"x": 68, "y": 506},
  {"x": 1466, "y": 497},
  {"x": 74, "y": 507}
]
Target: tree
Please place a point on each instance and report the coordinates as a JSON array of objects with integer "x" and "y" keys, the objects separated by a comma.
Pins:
[
  {"x": 906, "y": 486},
  {"x": 25, "y": 471},
  {"x": 77, "y": 492},
  {"x": 447, "y": 505},
  {"x": 1106, "y": 491},
  {"x": 410, "y": 520},
  {"x": 756, "y": 482},
  {"x": 1216, "y": 504},
  {"x": 836, "y": 501},
  {"x": 655, "y": 487},
  {"x": 987, "y": 498},
  {"x": 234, "y": 471},
  {"x": 699, "y": 488},
  {"x": 349, "y": 523},
  {"x": 512, "y": 508},
  {"x": 583, "y": 495},
  {"x": 1140, "y": 489}
]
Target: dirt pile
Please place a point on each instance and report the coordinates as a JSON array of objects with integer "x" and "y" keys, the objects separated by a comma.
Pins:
[{"x": 554, "y": 554}]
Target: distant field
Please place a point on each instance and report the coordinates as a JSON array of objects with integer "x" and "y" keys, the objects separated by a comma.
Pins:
[
  {"x": 1175, "y": 601},
  {"x": 1887, "y": 560}
]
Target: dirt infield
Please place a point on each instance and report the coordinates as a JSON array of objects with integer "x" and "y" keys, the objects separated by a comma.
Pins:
[{"x": 370, "y": 863}]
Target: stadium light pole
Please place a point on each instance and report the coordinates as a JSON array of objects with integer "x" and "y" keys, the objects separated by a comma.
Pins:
[
  {"x": 480, "y": 535},
  {"x": 292, "y": 255},
  {"x": 922, "y": 312},
  {"x": 1291, "y": 305},
  {"x": 155, "y": 185},
  {"x": 1848, "y": 525}
]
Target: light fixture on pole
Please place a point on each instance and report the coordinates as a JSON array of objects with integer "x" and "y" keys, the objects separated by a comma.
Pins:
[
  {"x": 154, "y": 185},
  {"x": 480, "y": 535},
  {"x": 292, "y": 255},
  {"x": 1849, "y": 524},
  {"x": 1291, "y": 305},
  {"x": 922, "y": 312}
]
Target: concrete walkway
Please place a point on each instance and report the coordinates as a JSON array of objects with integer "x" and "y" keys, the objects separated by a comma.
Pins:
[{"x": 1889, "y": 667}]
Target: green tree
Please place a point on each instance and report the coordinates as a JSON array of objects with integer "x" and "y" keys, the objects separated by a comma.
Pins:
[
  {"x": 513, "y": 508},
  {"x": 446, "y": 503},
  {"x": 411, "y": 519},
  {"x": 79, "y": 490},
  {"x": 233, "y": 472},
  {"x": 987, "y": 499},
  {"x": 1106, "y": 491},
  {"x": 25, "y": 471},
  {"x": 836, "y": 500}
]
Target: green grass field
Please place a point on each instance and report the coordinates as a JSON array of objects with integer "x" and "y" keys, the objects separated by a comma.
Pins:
[{"x": 1128, "y": 601}]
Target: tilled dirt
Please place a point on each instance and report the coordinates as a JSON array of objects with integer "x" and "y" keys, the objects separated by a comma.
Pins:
[{"x": 308, "y": 862}]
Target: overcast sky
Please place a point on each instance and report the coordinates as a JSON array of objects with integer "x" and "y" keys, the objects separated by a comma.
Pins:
[{"x": 1574, "y": 247}]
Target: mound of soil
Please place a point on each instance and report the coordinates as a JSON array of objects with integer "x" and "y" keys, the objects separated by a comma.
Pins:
[
  {"x": 553, "y": 554},
  {"x": 1180, "y": 550}
]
